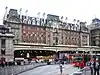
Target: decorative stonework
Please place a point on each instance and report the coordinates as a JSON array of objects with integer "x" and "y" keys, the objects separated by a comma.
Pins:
[
  {"x": 36, "y": 30},
  {"x": 6, "y": 43}
]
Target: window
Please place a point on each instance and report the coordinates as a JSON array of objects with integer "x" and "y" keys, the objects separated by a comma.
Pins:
[
  {"x": 53, "y": 43},
  {"x": 3, "y": 46},
  {"x": 29, "y": 21},
  {"x": 38, "y": 28},
  {"x": 33, "y": 22},
  {"x": 3, "y": 43},
  {"x": 13, "y": 41},
  {"x": 3, "y": 31},
  {"x": 2, "y": 50},
  {"x": 24, "y": 27}
]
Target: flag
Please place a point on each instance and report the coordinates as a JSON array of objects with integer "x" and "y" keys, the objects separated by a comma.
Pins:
[
  {"x": 38, "y": 13},
  {"x": 74, "y": 20},
  {"x": 78, "y": 20},
  {"x": 61, "y": 17},
  {"x": 85, "y": 22},
  {"x": 20, "y": 9},
  {"x": 26, "y": 11},
  {"x": 6, "y": 7},
  {"x": 66, "y": 18},
  {"x": 44, "y": 14}
]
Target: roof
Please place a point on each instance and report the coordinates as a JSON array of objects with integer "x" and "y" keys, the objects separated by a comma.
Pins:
[
  {"x": 95, "y": 20},
  {"x": 3, "y": 27},
  {"x": 52, "y": 15}
]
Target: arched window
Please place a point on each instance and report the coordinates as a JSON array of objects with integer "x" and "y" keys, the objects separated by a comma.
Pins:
[
  {"x": 33, "y": 21},
  {"x": 38, "y": 21},
  {"x": 29, "y": 21}
]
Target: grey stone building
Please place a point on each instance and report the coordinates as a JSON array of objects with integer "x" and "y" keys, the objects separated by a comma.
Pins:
[
  {"x": 12, "y": 20},
  {"x": 6, "y": 43},
  {"x": 95, "y": 32}
]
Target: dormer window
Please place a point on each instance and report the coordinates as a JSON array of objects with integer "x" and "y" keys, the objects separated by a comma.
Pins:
[
  {"x": 29, "y": 21},
  {"x": 3, "y": 31},
  {"x": 33, "y": 22}
]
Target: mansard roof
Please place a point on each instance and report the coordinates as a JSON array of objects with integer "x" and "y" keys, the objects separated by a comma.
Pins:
[
  {"x": 3, "y": 27},
  {"x": 95, "y": 20}
]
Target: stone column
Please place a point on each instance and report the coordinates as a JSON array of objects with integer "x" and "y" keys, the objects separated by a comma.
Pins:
[
  {"x": 20, "y": 33},
  {"x": 9, "y": 49},
  {"x": 88, "y": 39},
  {"x": 0, "y": 46},
  {"x": 81, "y": 43},
  {"x": 51, "y": 37}
]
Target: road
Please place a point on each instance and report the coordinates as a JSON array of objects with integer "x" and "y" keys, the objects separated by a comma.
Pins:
[{"x": 51, "y": 70}]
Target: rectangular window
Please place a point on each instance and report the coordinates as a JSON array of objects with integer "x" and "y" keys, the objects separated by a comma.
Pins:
[{"x": 3, "y": 42}]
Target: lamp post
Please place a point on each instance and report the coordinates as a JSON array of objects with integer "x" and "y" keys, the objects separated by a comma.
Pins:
[
  {"x": 91, "y": 53},
  {"x": 85, "y": 56}
]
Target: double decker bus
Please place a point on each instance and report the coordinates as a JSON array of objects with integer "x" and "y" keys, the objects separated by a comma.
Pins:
[{"x": 76, "y": 59}]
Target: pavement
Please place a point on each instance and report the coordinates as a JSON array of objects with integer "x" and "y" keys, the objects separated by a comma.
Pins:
[
  {"x": 75, "y": 71},
  {"x": 44, "y": 70},
  {"x": 51, "y": 70},
  {"x": 9, "y": 70}
]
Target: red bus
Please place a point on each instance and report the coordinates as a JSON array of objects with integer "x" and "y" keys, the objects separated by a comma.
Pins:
[{"x": 76, "y": 59}]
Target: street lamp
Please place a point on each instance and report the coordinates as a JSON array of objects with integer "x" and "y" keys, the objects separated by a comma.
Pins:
[
  {"x": 85, "y": 56},
  {"x": 91, "y": 53}
]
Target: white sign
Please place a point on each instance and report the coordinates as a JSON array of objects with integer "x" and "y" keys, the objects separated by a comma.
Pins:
[{"x": 28, "y": 55}]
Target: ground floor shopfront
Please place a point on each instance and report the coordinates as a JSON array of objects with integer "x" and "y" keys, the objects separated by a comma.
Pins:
[
  {"x": 54, "y": 52},
  {"x": 43, "y": 51}
]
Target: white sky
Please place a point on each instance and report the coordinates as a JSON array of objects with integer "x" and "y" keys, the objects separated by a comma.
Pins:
[{"x": 84, "y": 10}]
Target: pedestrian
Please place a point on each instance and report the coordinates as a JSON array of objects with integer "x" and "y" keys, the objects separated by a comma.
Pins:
[
  {"x": 90, "y": 65},
  {"x": 96, "y": 66},
  {"x": 60, "y": 68}
]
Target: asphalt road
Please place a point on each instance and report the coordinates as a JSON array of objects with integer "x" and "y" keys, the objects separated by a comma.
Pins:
[{"x": 51, "y": 70}]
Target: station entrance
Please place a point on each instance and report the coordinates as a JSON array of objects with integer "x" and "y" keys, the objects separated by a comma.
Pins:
[{"x": 33, "y": 54}]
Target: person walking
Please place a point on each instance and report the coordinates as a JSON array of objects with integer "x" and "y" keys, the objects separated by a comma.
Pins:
[
  {"x": 90, "y": 65},
  {"x": 60, "y": 68},
  {"x": 96, "y": 66}
]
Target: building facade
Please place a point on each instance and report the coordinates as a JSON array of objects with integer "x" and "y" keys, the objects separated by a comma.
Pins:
[
  {"x": 6, "y": 44},
  {"x": 12, "y": 20},
  {"x": 95, "y": 32},
  {"x": 51, "y": 31}
]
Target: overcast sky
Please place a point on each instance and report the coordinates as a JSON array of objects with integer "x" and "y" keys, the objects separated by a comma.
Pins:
[{"x": 83, "y": 10}]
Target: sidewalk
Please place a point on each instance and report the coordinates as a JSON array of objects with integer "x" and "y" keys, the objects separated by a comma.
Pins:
[
  {"x": 75, "y": 70},
  {"x": 69, "y": 70},
  {"x": 87, "y": 73},
  {"x": 9, "y": 70}
]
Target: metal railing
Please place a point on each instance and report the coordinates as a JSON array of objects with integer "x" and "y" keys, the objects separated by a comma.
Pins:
[{"x": 15, "y": 70}]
